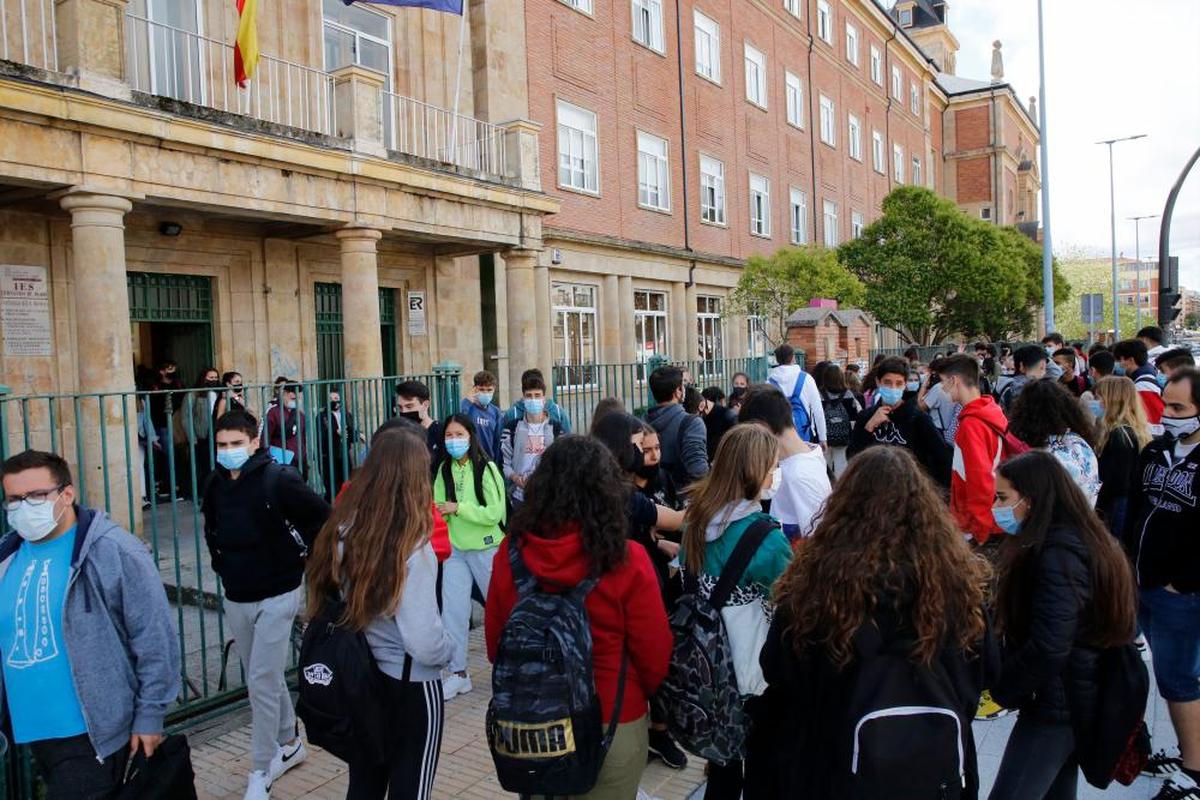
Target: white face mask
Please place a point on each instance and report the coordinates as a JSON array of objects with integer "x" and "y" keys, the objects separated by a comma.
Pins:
[
  {"x": 776, "y": 482},
  {"x": 34, "y": 523},
  {"x": 1181, "y": 427}
]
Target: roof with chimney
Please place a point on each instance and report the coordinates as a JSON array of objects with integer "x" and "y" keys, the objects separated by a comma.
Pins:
[
  {"x": 810, "y": 317},
  {"x": 926, "y": 13}
]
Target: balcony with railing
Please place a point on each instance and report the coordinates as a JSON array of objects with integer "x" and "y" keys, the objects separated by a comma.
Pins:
[{"x": 28, "y": 33}]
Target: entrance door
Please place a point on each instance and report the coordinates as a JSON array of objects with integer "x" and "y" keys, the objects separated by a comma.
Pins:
[
  {"x": 331, "y": 363},
  {"x": 172, "y": 320}
]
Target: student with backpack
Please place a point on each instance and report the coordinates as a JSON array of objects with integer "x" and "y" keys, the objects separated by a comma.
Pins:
[
  {"x": 469, "y": 492},
  {"x": 841, "y": 409},
  {"x": 683, "y": 437},
  {"x": 1133, "y": 361},
  {"x": 260, "y": 519},
  {"x": 576, "y": 633},
  {"x": 1065, "y": 593},
  {"x": 526, "y": 437},
  {"x": 801, "y": 391},
  {"x": 726, "y": 509},
  {"x": 878, "y": 649},
  {"x": 373, "y": 574},
  {"x": 1047, "y": 416}
]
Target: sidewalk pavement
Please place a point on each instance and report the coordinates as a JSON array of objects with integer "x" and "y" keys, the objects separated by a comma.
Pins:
[{"x": 221, "y": 756}]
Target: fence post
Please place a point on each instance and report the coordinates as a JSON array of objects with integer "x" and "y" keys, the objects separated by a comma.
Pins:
[
  {"x": 801, "y": 359},
  {"x": 445, "y": 376},
  {"x": 4, "y": 392}
]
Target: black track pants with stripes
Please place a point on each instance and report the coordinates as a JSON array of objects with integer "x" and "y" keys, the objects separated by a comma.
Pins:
[{"x": 416, "y": 711}]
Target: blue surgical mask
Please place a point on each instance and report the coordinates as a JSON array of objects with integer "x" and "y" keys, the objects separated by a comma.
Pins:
[
  {"x": 457, "y": 448},
  {"x": 1006, "y": 520},
  {"x": 484, "y": 398},
  {"x": 1162, "y": 379},
  {"x": 889, "y": 396},
  {"x": 913, "y": 386},
  {"x": 534, "y": 406},
  {"x": 1118, "y": 370},
  {"x": 1097, "y": 408},
  {"x": 234, "y": 458}
]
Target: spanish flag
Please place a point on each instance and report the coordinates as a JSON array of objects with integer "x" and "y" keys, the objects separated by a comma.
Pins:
[{"x": 245, "y": 51}]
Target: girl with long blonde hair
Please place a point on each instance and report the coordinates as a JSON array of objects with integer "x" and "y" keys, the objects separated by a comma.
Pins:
[
  {"x": 374, "y": 555},
  {"x": 1122, "y": 432}
]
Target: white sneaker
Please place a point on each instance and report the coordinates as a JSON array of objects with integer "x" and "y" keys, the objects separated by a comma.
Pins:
[
  {"x": 454, "y": 684},
  {"x": 258, "y": 787},
  {"x": 286, "y": 757}
]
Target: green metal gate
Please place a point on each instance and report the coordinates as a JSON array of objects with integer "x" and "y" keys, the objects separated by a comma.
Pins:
[
  {"x": 387, "y": 330},
  {"x": 331, "y": 361},
  {"x": 179, "y": 310}
]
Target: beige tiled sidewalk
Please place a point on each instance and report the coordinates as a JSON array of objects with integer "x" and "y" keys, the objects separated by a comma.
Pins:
[{"x": 221, "y": 756}]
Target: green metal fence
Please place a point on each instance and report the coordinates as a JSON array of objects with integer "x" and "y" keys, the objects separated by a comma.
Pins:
[
  {"x": 578, "y": 388},
  {"x": 144, "y": 456}
]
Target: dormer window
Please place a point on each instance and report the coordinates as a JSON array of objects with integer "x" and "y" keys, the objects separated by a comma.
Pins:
[{"x": 906, "y": 17}]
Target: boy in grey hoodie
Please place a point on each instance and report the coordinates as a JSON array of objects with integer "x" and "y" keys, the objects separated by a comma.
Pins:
[{"x": 89, "y": 656}]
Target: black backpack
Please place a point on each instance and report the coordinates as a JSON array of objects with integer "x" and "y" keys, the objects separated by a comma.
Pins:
[
  {"x": 544, "y": 724},
  {"x": 704, "y": 709},
  {"x": 340, "y": 686},
  {"x": 905, "y": 735},
  {"x": 837, "y": 422},
  {"x": 1112, "y": 743}
]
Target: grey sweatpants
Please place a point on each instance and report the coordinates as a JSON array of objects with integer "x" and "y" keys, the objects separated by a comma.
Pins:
[{"x": 262, "y": 634}]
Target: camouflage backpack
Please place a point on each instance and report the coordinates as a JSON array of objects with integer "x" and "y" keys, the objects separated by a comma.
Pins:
[
  {"x": 543, "y": 723},
  {"x": 700, "y": 693}
]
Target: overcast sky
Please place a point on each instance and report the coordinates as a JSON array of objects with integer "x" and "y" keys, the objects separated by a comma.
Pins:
[{"x": 1113, "y": 68}]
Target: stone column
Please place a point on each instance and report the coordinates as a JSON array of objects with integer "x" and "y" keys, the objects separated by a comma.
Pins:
[
  {"x": 628, "y": 347},
  {"x": 358, "y": 112},
  {"x": 610, "y": 321},
  {"x": 103, "y": 348},
  {"x": 691, "y": 330},
  {"x": 522, "y": 315},
  {"x": 545, "y": 342},
  {"x": 679, "y": 318},
  {"x": 522, "y": 161},
  {"x": 360, "y": 302},
  {"x": 91, "y": 44}
]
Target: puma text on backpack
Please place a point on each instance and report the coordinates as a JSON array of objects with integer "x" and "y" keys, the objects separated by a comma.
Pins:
[
  {"x": 544, "y": 723},
  {"x": 700, "y": 693},
  {"x": 800, "y": 416},
  {"x": 904, "y": 736},
  {"x": 837, "y": 422},
  {"x": 340, "y": 687}
]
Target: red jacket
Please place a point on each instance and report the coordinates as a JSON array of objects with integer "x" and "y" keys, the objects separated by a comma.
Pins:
[
  {"x": 976, "y": 456},
  {"x": 625, "y": 609}
]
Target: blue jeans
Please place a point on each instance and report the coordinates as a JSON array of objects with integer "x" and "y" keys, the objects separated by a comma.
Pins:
[{"x": 1171, "y": 623}]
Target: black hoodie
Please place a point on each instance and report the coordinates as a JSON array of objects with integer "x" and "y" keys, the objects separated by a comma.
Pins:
[
  {"x": 252, "y": 549},
  {"x": 908, "y": 427},
  {"x": 1163, "y": 529}
]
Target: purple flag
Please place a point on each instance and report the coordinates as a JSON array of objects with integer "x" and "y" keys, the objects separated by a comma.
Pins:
[{"x": 451, "y": 6}]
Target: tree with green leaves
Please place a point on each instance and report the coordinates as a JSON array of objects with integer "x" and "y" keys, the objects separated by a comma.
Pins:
[
  {"x": 772, "y": 287},
  {"x": 932, "y": 272}
]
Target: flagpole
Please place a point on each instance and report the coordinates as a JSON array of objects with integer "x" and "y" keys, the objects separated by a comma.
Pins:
[{"x": 462, "y": 35}]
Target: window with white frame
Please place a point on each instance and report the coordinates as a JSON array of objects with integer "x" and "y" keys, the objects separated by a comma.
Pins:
[
  {"x": 916, "y": 170},
  {"x": 756, "y": 335},
  {"x": 831, "y": 224},
  {"x": 877, "y": 153},
  {"x": 653, "y": 173},
  {"x": 648, "y": 24},
  {"x": 876, "y": 65},
  {"x": 854, "y": 137},
  {"x": 580, "y": 5},
  {"x": 708, "y": 48},
  {"x": 712, "y": 190},
  {"x": 898, "y": 163},
  {"x": 760, "y": 205},
  {"x": 792, "y": 7},
  {"x": 824, "y": 21},
  {"x": 799, "y": 216},
  {"x": 710, "y": 334},
  {"x": 573, "y": 337},
  {"x": 856, "y": 224},
  {"x": 756, "y": 76},
  {"x": 985, "y": 213},
  {"x": 828, "y": 122},
  {"x": 897, "y": 83},
  {"x": 795, "y": 99},
  {"x": 906, "y": 17},
  {"x": 914, "y": 99},
  {"x": 852, "y": 44},
  {"x": 578, "y": 166},
  {"x": 650, "y": 324},
  {"x": 351, "y": 35}
]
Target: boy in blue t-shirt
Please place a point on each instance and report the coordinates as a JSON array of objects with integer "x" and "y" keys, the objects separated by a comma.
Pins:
[{"x": 487, "y": 416}]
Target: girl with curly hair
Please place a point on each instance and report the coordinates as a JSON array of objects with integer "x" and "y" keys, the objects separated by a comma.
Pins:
[
  {"x": 573, "y": 525},
  {"x": 885, "y": 579},
  {"x": 1047, "y": 417}
]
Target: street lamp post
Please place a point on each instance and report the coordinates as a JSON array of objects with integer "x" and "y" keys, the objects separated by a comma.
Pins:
[
  {"x": 1112, "y": 208},
  {"x": 1044, "y": 135},
  {"x": 1137, "y": 255}
]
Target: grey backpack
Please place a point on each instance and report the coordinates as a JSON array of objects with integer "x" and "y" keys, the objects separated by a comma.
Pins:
[{"x": 544, "y": 723}]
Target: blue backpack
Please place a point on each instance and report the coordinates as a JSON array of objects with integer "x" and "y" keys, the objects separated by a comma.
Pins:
[{"x": 800, "y": 416}]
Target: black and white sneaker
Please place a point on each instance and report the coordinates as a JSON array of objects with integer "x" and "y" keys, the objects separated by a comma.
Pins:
[
  {"x": 1163, "y": 764},
  {"x": 1179, "y": 787},
  {"x": 663, "y": 747}
]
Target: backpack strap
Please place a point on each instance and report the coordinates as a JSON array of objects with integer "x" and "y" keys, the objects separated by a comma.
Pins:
[
  {"x": 271, "y": 473},
  {"x": 619, "y": 702},
  {"x": 739, "y": 560}
]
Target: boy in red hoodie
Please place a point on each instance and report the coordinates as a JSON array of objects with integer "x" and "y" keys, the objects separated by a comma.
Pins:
[{"x": 977, "y": 445}]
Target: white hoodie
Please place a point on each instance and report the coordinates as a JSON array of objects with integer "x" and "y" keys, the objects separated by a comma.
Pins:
[{"x": 785, "y": 375}]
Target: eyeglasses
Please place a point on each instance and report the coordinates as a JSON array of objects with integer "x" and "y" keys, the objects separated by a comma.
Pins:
[{"x": 34, "y": 498}]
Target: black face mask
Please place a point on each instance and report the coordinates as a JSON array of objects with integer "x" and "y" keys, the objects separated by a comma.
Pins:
[
  {"x": 212, "y": 384},
  {"x": 647, "y": 472},
  {"x": 336, "y": 405},
  {"x": 415, "y": 416}
]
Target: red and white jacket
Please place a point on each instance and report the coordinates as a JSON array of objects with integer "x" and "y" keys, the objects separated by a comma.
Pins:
[{"x": 977, "y": 451}]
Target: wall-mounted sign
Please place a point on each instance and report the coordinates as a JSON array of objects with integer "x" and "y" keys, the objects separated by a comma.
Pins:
[
  {"x": 25, "y": 311},
  {"x": 416, "y": 314}
]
